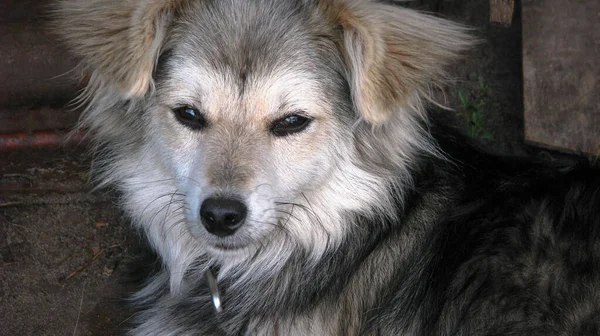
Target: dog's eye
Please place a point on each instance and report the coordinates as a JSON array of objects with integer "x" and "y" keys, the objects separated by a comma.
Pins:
[
  {"x": 289, "y": 125},
  {"x": 190, "y": 117}
]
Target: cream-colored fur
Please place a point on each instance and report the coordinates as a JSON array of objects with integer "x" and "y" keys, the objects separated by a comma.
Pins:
[{"x": 118, "y": 39}]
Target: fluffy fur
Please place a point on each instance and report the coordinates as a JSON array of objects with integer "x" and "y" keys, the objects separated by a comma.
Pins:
[{"x": 373, "y": 220}]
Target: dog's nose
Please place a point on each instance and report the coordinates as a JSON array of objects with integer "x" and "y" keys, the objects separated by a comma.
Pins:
[{"x": 222, "y": 216}]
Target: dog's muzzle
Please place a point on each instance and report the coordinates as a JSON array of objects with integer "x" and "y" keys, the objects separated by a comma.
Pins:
[{"x": 222, "y": 216}]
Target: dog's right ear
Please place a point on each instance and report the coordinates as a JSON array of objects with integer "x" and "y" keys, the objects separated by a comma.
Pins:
[{"x": 119, "y": 40}]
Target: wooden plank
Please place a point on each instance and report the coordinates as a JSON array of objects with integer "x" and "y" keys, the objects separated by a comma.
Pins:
[
  {"x": 35, "y": 69},
  {"x": 561, "y": 73},
  {"x": 501, "y": 11}
]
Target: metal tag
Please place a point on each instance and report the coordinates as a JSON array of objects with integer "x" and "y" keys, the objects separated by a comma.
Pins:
[{"x": 214, "y": 290}]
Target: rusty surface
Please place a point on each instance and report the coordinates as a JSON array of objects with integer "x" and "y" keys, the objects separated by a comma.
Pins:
[
  {"x": 561, "y": 73},
  {"x": 11, "y": 141}
]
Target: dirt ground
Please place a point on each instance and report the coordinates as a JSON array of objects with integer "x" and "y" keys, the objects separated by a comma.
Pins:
[{"x": 63, "y": 248}]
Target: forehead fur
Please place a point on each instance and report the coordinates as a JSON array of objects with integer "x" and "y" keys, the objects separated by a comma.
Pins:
[
  {"x": 243, "y": 40},
  {"x": 260, "y": 98}
]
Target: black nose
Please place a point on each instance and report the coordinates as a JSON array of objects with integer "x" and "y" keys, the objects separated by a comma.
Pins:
[{"x": 222, "y": 216}]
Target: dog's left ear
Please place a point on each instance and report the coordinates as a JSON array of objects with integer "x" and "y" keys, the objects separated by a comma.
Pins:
[
  {"x": 392, "y": 53},
  {"x": 117, "y": 39}
]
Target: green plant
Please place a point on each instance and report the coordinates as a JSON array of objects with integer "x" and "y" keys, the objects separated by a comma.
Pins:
[{"x": 473, "y": 111}]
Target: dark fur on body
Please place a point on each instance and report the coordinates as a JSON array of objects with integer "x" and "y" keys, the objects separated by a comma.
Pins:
[
  {"x": 373, "y": 220},
  {"x": 513, "y": 249}
]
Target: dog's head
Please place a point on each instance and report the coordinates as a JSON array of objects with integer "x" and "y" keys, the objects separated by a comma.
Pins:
[{"x": 272, "y": 117}]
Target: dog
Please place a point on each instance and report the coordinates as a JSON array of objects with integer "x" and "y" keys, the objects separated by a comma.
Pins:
[{"x": 283, "y": 161}]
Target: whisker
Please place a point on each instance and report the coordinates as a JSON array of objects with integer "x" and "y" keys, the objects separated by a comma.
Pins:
[{"x": 154, "y": 200}]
